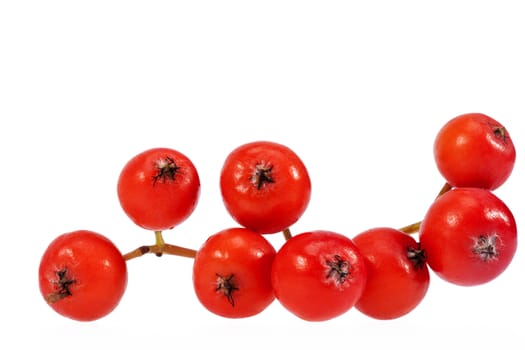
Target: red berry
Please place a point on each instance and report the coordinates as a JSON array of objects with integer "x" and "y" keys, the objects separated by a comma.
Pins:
[
  {"x": 474, "y": 150},
  {"x": 318, "y": 275},
  {"x": 397, "y": 273},
  {"x": 231, "y": 273},
  {"x": 265, "y": 186},
  {"x": 82, "y": 275},
  {"x": 158, "y": 188},
  {"x": 469, "y": 236}
]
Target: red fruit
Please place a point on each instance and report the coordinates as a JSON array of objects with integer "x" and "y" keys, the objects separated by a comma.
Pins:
[
  {"x": 265, "y": 186},
  {"x": 397, "y": 273},
  {"x": 231, "y": 273},
  {"x": 318, "y": 275},
  {"x": 158, "y": 188},
  {"x": 82, "y": 275},
  {"x": 474, "y": 150},
  {"x": 469, "y": 236}
]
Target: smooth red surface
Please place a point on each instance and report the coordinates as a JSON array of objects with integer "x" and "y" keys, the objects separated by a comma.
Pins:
[
  {"x": 96, "y": 266},
  {"x": 395, "y": 284},
  {"x": 246, "y": 256},
  {"x": 158, "y": 204},
  {"x": 301, "y": 275},
  {"x": 474, "y": 150},
  {"x": 453, "y": 225},
  {"x": 275, "y": 206}
]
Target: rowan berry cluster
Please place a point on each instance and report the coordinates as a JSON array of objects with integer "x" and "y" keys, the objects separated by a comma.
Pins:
[{"x": 468, "y": 235}]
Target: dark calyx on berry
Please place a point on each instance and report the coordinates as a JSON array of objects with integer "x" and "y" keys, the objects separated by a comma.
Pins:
[
  {"x": 226, "y": 286},
  {"x": 262, "y": 175},
  {"x": 338, "y": 269},
  {"x": 167, "y": 169},
  {"x": 63, "y": 284},
  {"x": 485, "y": 247},
  {"x": 417, "y": 256},
  {"x": 500, "y": 132}
]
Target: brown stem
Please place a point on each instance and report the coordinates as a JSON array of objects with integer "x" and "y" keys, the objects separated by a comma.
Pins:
[
  {"x": 160, "y": 248},
  {"x": 287, "y": 234},
  {"x": 414, "y": 228},
  {"x": 180, "y": 251},
  {"x": 446, "y": 187}
]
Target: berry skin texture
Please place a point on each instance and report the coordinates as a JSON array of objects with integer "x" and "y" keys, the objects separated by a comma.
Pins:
[
  {"x": 158, "y": 188},
  {"x": 265, "y": 186},
  {"x": 469, "y": 236},
  {"x": 397, "y": 273},
  {"x": 82, "y": 275},
  {"x": 231, "y": 273},
  {"x": 474, "y": 150},
  {"x": 318, "y": 275}
]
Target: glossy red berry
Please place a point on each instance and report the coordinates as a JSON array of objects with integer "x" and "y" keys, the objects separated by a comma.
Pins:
[
  {"x": 231, "y": 273},
  {"x": 474, "y": 150},
  {"x": 265, "y": 186},
  {"x": 158, "y": 188},
  {"x": 318, "y": 275},
  {"x": 82, "y": 275},
  {"x": 469, "y": 236},
  {"x": 397, "y": 273}
]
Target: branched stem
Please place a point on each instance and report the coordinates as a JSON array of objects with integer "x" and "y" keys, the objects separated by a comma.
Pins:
[
  {"x": 159, "y": 248},
  {"x": 159, "y": 242}
]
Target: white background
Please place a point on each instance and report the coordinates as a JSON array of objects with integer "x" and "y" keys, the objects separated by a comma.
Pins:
[{"x": 357, "y": 89}]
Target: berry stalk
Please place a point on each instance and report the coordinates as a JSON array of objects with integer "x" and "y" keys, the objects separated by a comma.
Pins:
[
  {"x": 287, "y": 234},
  {"x": 414, "y": 228},
  {"x": 159, "y": 248}
]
